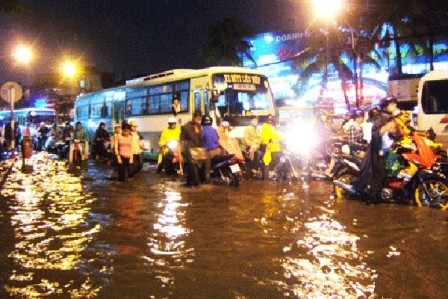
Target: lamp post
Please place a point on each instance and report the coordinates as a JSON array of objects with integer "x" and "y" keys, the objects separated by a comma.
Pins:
[
  {"x": 327, "y": 10},
  {"x": 23, "y": 55}
]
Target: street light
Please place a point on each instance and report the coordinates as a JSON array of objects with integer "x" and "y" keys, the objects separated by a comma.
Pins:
[
  {"x": 69, "y": 69},
  {"x": 22, "y": 54},
  {"x": 328, "y": 10}
]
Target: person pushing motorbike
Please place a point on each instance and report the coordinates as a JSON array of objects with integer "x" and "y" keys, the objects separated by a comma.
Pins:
[
  {"x": 373, "y": 168},
  {"x": 169, "y": 134}
]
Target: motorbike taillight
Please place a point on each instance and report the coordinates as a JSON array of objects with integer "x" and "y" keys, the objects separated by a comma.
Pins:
[{"x": 396, "y": 184}]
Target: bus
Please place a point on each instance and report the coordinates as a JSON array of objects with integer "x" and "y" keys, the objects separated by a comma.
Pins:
[
  {"x": 33, "y": 116},
  {"x": 230, "y": 93},
  {"x": 432, "y": 109}
]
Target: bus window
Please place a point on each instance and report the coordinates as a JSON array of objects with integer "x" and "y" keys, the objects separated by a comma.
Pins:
[
  {"x": 144, "y": 106},
  {"x": 434, "y": 97},
  {"x": 96, "y": 111},
  {"x": 166, "y": 101},
  {"x": 197, "y": 100},
  {"x": 206, "y": 102},
  {"x": 184, "y": 103},
  {"x": 235, "y": 105},
  {"x": 128, "y": 111},
  {"x": 154, "y": 104}
]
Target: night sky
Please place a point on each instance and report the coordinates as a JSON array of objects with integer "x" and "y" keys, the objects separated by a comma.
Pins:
[{"x": 133, "y": 37}]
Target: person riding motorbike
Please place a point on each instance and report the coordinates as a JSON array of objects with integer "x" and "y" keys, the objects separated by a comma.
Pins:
[
  {"x": 79, "y": 135},
  {"x": 229, "y": 145},
  {"x": 166, "y": 155},
  {"x": 373, "y": 168},
  {"x": 252, "y": 141},
  {"x": 56, "y": 135},
  {"x": 101, "y": 136},
  {"x": 270, "y": 145},
  {"x": 42, "y": 136},
  {"x": 193, "y": 149},
  {"x": 353, "y": 130}
]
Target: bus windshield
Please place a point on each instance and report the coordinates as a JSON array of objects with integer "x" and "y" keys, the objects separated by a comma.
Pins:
[
  {"x": 434, "y": 97},
  {"x": 242, "y": 94}
]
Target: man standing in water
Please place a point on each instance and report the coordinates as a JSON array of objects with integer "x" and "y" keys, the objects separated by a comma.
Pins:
[
  {"x": 136, "y": 148},
  {"x": 193, "y": 149}
]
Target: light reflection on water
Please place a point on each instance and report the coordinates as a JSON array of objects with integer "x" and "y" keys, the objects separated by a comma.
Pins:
[
  {"x": 167, "y": 243},
  {"x": 53, "y": 230},
  {"x": 152, "y": 238},
  {"x": 323, "y": 260}
]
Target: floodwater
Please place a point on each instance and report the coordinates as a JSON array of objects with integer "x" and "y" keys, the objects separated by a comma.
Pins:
[{"x": 77, "y": 233}]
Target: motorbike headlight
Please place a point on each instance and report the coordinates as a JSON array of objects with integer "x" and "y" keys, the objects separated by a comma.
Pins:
[
  {"x": 303, "y": 139},
  {"x": 172, "y": 144}
]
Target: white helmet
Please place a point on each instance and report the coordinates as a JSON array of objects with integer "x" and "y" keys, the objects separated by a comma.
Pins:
[{"x": 172, "y": 120}]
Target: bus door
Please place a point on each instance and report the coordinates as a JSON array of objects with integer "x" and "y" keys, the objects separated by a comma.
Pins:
[
  {"x": 200, "y": 95},
  {"x": 118, "y": 107}
]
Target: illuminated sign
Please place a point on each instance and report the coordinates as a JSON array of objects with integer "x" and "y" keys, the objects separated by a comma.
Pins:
[
  {"x": 242, "y": 78},
  {"x": 244, "y": 86}
]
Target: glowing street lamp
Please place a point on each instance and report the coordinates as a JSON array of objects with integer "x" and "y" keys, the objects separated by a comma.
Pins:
[
  {"x": 69, "y": 69},
  {"x": 23, "y": 54},
  {"x": 328, "y": 10}
]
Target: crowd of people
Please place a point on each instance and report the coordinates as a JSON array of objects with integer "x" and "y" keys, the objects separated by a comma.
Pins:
[{"x": 199, "y": 142}]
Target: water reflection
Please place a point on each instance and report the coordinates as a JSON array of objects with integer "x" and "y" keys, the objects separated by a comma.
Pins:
[
  {"x": 167, "y": 243},
  {"x": 322, "y": 259},
  {"x": 54, "y": 251}
]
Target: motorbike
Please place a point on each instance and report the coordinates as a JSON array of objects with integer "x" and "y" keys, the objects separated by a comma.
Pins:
[
  {"x": 425, "y": 185},
  {"x": 346, "y": 158},
  {"x": 171, "y": 161},
  {"x": 40, "y": 141},
  {"x": 226, "y": 170},
  {"x": 307, "y": 155},
  {"x": 78, "y": 151}
]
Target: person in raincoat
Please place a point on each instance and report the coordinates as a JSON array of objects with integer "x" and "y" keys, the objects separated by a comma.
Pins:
[
  {"x": 170, "y": 133},
  {"x": 269, "y": 145}
]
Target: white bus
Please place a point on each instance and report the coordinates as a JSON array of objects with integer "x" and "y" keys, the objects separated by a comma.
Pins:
[
  {"x": 33, "y": 116},
  {"x": 230, "y": 93},
  {"x": 433, "y": 104}
]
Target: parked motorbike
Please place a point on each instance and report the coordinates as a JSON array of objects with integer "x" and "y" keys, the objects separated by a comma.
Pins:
[
  {"x": 427, "y": 185},
  {"x": 226, "y": 170}
]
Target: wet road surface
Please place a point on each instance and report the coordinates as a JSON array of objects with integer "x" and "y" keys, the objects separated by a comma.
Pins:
[{"x": 76, "y": 232}]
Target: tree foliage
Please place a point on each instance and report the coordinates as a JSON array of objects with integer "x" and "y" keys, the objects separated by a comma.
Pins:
[
  {"x": 226, "y": 44},
  {"x": 10, "y": 6},
  {"x": 366, "y": 30}
]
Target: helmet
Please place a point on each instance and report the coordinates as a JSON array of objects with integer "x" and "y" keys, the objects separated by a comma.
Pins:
[
  {"x": 42, "y": 124},
  {"x": 224, "y": 124},
  {"x": 357, "y": 113},
  {"x": 386, "y": 101},
  {"x": 374, "y": 112},
  {"x": 206, "y": 120},
  {"x": 172, "y": 120}
]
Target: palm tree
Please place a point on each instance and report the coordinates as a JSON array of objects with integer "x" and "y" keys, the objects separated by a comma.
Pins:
[
  {"x": 226, "y": 45},
  {"x": 334, "y": 50},
  {"x": 412, "y": 23}
]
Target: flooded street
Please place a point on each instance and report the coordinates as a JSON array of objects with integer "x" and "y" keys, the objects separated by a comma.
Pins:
[{"x": 77, "y": 232}]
